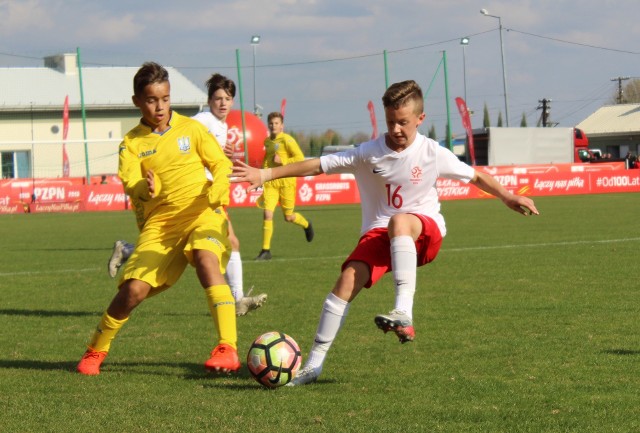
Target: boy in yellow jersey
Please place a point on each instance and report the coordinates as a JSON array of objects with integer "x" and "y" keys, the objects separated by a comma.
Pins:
[
  {"x": 280, "y": 149},
  {"x": 221, "y": 91},
  {"x": 161, "y": 165}
]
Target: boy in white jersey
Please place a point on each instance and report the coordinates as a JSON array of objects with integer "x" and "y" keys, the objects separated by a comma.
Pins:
[
  {"x": 220, "y": 91},
  {"x": 402, "y": 227}
]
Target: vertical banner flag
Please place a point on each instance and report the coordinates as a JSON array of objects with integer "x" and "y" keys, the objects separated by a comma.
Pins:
[
  {"x": 466, "y": 123},
  {"x": 65, "y": 131},
  {"x": 374, "y": 124},
  {"x": 283, "y": 106}
]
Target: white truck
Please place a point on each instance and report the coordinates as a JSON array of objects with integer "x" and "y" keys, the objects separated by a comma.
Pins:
[{"x": 495, "y": 146}]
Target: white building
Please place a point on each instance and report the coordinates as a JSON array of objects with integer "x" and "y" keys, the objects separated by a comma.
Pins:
[
  {"x": 614, "y": 129},
  {"x": 31, "y": 112}
]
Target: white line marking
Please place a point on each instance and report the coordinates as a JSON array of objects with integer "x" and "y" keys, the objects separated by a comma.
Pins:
[{"x": 292, "y": 259}]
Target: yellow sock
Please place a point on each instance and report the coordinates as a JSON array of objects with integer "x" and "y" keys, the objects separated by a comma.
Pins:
[
  {"x": 223, "y": 310},
  {"x": 106, "y": 332},
  {"x": 267, "y": 232},
  {"x": 300, "y": 221}
]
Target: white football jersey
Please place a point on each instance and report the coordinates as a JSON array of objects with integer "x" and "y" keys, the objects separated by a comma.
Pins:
[
  {"x": 398, "y": 182},
  {"x": 216, "y": 127}
]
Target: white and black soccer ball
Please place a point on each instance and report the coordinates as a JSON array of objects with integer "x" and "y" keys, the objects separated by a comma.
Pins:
[{"x": 274, "y": 359}]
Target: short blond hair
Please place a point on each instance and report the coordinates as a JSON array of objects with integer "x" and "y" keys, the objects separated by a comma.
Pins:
[{"x": 399, "y": 94}]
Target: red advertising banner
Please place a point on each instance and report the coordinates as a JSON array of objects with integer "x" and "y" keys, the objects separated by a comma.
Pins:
[
  {"x": 551, "y": 168},
  {"x": 315, "y": 190},
  {"x": 60, "y": 195},
  {"x": 72, "y": 195},
  {"x": 547, "y": 184}
]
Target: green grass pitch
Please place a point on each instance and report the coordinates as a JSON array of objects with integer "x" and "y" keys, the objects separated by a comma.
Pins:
[{"x": 522, "y": 325}]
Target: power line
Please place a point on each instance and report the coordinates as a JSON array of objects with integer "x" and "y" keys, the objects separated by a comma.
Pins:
[
  {"x": 361, "y": 56},
  {"x": 573, "y": 43}
]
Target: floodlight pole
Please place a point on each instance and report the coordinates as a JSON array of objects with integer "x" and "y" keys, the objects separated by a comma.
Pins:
[
  {"x": 464, "y": 42},
  {"x": 504, "y": 71},
  {"x": 255, "y": 41}
]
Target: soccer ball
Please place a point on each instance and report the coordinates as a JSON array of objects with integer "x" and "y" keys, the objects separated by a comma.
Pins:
[{"x": 274, "y": 359}]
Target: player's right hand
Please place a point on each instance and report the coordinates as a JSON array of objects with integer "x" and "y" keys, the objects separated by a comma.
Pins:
[
  {"x": 228, "y": 151},
  {"x": 242, "y": 172},
  {"x": 151, "y": 183}
]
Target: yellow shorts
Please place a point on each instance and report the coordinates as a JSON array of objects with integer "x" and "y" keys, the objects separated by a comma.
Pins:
[
  {"x": 279, "y": 190},
  {"x": 163, "y": 250}
]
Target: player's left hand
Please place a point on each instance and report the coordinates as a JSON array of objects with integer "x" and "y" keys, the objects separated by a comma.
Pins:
[{"x": 522, "y": 205}]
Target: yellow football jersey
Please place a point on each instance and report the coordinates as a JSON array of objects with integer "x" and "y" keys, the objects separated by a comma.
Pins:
[
  {"x": 177, "y": 158},
  {"x": 285, "y": 146}
]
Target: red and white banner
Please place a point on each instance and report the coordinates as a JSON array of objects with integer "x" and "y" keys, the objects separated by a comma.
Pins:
[
  {"x": 313, "y": 190},
  {"x": 73, "y": 195},
  {"x": 547, "y": 184},
  {"x": 283, "y": 106},
  {"x": 552, "y": 168},
  {"x": 60, "y": 195}
]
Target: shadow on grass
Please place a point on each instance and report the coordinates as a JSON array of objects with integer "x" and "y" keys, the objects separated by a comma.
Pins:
[
  {"x": 191, "y": 370},
  {"x": 622, "y": 352},
  {"x": 61, "y": 249},
  {"x": 46, "y": 313},
  {"x": 26, "y": 364}
]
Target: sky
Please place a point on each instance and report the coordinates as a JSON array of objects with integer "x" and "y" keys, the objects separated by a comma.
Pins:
[{"x": 329, "y": 58}]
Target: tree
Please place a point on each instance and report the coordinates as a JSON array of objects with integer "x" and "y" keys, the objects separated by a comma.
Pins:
[
  {"x": 486, "y": 122},
  {"x": 432, "y": 132},
  {"x": 313, "y": 147},
  {"x": 631, "y": 92},
  {"x": 359, "y": 137},
  {"x": 523, "y": 121},
  {"x": 302, "y": 141},
  {"x": 499, "y": 124}
]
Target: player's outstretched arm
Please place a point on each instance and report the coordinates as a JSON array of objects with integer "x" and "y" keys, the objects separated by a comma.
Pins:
[
  {"x": 520, "y": 204},
  {"x": 258, "y": 176}
]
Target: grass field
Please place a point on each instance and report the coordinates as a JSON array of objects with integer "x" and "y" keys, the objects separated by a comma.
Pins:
[{"x": 523, "y": 325}]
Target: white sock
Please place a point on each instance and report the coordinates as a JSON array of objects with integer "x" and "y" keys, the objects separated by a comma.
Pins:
[
  {"x": 234, "y": 275},
  {"x": 403, "y": 264},
  {"x": 334, "y": 311}
]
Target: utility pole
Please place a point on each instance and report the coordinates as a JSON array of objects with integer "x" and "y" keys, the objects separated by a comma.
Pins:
[
  {"x": 545, "y": 106},
  {"x": 620, "y": 80}
]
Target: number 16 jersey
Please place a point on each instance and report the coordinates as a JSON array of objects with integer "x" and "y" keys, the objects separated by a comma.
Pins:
[{"x": 393, "y": 182}]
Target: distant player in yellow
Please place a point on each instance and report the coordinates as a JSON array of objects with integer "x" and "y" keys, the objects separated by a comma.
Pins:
[
  {"x": 280, "y": 149},
  {"x": 162, "y": 166}
]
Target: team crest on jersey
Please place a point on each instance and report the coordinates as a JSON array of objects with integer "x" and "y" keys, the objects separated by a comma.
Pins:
[
  {"x": 184, "y": 144},
  {"x": 416, "y": 175}
]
